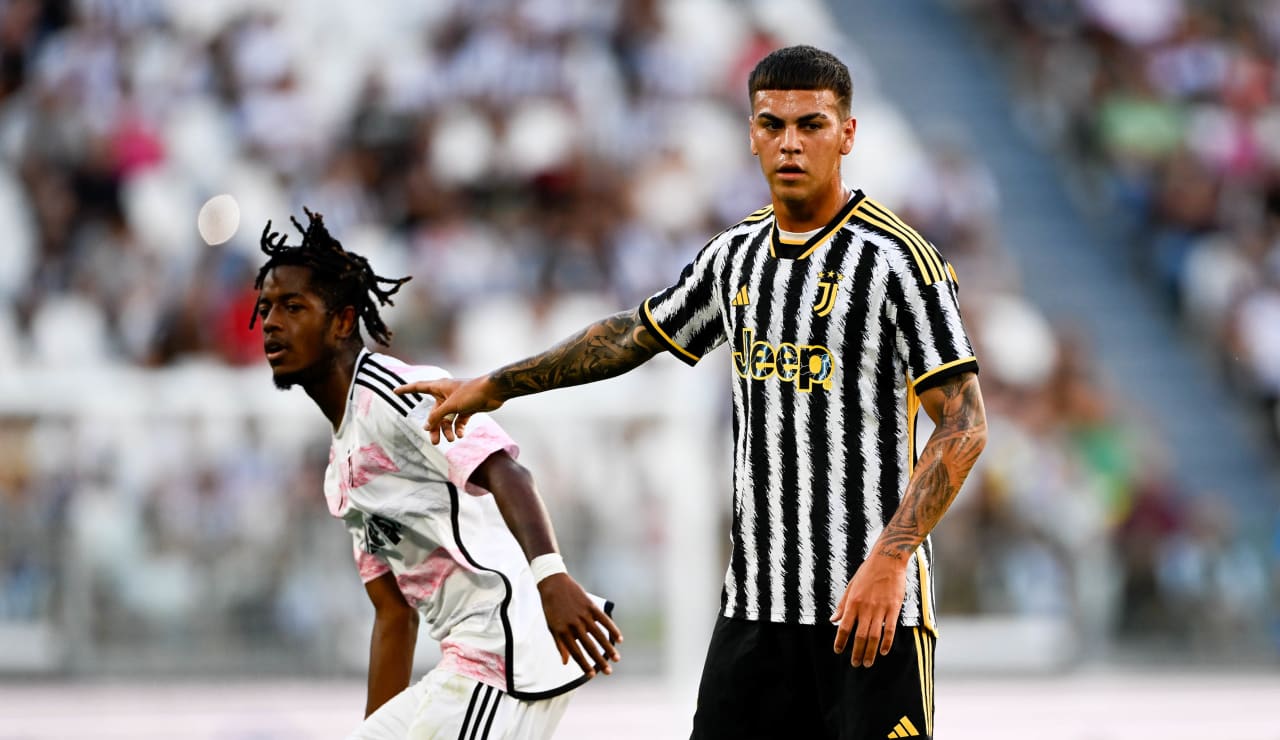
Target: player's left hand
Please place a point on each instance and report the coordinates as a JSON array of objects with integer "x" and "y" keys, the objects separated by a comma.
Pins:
[
  {"x": 871, "y": 603},
  {"x": 581, "y": 629}
]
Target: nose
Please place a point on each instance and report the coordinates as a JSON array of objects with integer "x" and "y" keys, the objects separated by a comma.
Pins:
[
  {"x": 271, "y": 322},
  {"x": 791, "y": 140}
]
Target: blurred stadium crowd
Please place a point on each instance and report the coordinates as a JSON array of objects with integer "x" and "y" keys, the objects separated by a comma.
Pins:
[
  {"x": 532, "y": 160},
  {"x": 1172, "y": 109},
  {"x": 1167, "y": 112}
]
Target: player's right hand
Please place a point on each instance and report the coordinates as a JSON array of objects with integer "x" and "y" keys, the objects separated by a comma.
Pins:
[
  {"x": 581, "y": 629},
  {"x": 456, "y": 400}
]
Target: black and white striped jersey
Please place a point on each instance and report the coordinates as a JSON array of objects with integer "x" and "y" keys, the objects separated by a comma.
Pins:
[{"x": 833, "y": 338}]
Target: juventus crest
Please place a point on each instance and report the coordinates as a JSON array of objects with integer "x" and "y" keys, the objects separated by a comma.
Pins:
[{"x": 828, "y": 286}]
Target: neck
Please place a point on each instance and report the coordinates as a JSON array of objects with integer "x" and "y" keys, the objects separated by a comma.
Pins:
[
  {"x": 810, "y": 213},
  {"x": 330, "y": 391}
]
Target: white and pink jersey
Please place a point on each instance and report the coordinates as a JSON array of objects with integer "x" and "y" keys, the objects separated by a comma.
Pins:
[{"x": 411, "y": 512}]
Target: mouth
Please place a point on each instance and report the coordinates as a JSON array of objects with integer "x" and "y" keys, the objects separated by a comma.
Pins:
[
  {"x": 790, "y": 172},
  {"x": 274, "y": 350}
]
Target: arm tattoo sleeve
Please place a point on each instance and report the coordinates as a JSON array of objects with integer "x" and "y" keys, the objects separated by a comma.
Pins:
[
  {"x": 959, "y": 437},
  {"x": 605, "y": 349}
]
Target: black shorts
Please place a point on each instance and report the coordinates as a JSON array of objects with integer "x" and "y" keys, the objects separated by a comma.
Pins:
[{"x": 767, "y": 681}]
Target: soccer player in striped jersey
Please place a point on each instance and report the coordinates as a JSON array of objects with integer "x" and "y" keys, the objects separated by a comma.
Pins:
[
  {"x": 454, "y": 532},
  {"x": 843, "y": 323}
]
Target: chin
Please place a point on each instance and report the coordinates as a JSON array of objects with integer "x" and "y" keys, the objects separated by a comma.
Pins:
[
  {"x": 286, "y": 379},
  {"x": 792, "y": 189}
]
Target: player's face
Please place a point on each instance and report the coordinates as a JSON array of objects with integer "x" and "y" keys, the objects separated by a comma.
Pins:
[
  {"x": 800, "y": 138},
  {"x": 297, "y": 327}
]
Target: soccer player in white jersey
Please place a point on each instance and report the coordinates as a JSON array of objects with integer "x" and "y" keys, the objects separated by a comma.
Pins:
[
  {"x": 844, "y": 323},
  {"x": 453, "y": 532}
]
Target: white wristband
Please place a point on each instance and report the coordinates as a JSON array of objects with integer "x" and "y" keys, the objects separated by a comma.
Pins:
[{"x": 546, "y": 565}]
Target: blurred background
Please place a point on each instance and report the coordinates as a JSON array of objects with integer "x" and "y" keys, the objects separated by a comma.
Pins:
[{"x": 1104, "y": 175}]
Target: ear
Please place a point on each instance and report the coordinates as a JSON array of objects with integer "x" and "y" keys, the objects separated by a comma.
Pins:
[
  {"x": 847, "y": 135},
  {"x": 344, "y": 322},
  {"x": 750, "y": 137}
]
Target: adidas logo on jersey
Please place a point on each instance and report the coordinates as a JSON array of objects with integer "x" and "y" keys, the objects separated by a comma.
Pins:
[
  {"x": 741, "y": 298},
  {"x": 904, "y": 728}
]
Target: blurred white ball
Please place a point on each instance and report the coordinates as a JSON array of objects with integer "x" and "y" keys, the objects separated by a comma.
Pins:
[{"x": 218, "y": 219}]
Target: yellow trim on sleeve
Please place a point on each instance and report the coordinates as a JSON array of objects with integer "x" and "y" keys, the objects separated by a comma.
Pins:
[
  {"x": 654, "y": 323},
  {"x": 915, "y": 383}
]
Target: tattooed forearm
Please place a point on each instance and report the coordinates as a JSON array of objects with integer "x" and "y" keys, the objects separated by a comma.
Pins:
[
  {"x": 605, "y": 349},
  {"x": 946, "y": 460}
]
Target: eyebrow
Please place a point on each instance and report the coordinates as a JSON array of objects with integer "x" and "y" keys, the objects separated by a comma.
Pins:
[
  {"x": 279, "y": 298},
  {"x": 802, "y": 119}
]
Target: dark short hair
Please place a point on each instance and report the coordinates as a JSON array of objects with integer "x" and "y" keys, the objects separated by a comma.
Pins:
[{"x": 803, "y": 68}]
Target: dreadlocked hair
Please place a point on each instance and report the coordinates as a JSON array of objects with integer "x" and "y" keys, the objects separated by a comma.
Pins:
[{"x": 340, "y": 277}]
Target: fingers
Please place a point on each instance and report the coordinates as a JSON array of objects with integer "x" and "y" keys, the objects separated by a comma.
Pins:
[
  {"x": 843, "y": 629},
  {"x": 886, "y": 640},
  {"x": 589, "y": 648},
  {"x": 593, "y": 648},
  {"x": 453, "y": 425},
  {"x": 615, "y": 634},
  {"x": 437, "y": 390},
  {"x": 442, "y": 411},
  {"x": 871, "y": 635},
  {"x": 865, "y": 642},
  {"x": 569, "y": 644},
  {"x": 421, "y": 386}
]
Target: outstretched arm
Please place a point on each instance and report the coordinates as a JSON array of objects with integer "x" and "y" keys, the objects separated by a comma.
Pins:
[
  {"x": 575, "y": 621},
  {"x": 395, "y": 634},
  {"x": 605, "y": 349},
  {"x": 874, "y": 596}
]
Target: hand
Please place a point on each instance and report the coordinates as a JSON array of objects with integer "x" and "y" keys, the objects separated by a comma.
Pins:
[
  {"x": 577, "y": 624},
  {"x": 456, "y": 401},
  {"x": 871, "y": 601}
]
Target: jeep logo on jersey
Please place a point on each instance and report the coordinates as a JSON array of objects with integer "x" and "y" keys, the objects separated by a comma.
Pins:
[
  {"x": 805, "y": 365},
  {"x": 829, "y": 285},
  {"x": 378, "y": 532}
]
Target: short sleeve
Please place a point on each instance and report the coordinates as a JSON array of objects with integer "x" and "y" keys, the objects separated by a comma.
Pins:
[
  {"x": 686, "y": 316},
  {"x": 483, "y": 438},
  {"x": 933, "y": 342}
]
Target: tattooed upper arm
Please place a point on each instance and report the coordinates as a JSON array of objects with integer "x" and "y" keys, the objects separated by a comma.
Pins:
[
  {"x": 956, "y": 403},
  {"x": 630, "y": 324}
]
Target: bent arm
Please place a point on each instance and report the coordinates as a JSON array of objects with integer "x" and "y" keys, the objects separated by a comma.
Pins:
[
  {"x": 605, "y": 349},
  {"x": 517, "y": 498},
  {"x": 581, "y": 629},
  {"x": 959, "y": 435},
  {"x": 873, "y": 598},
  {"x": 395, "y": 634}
]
